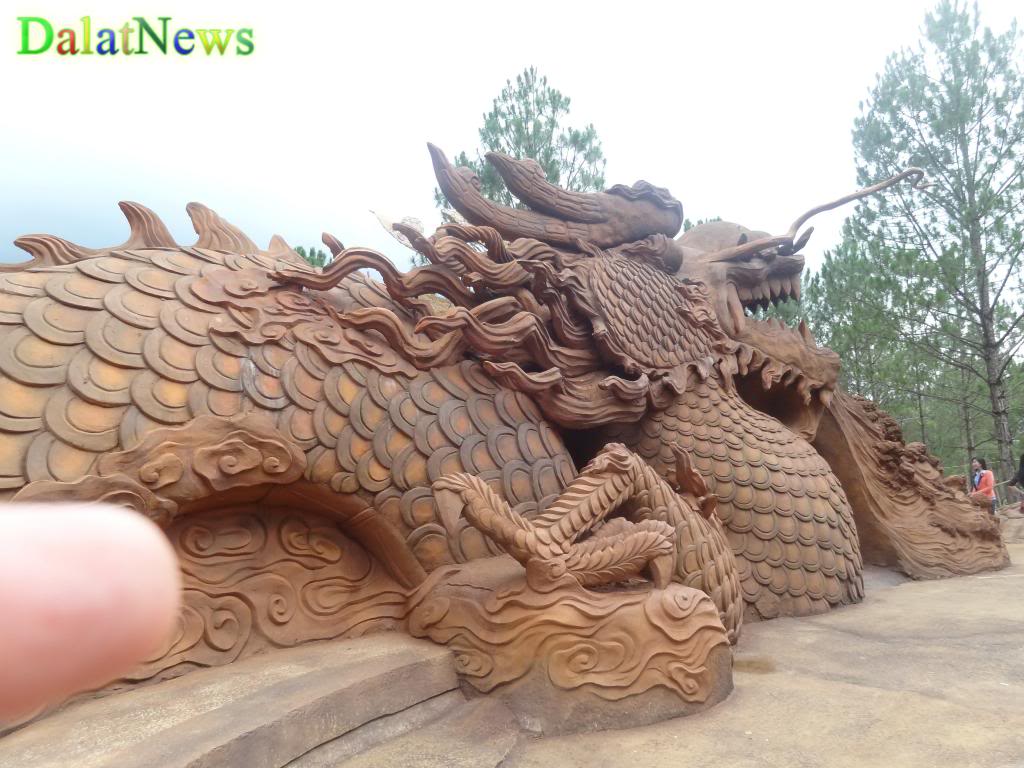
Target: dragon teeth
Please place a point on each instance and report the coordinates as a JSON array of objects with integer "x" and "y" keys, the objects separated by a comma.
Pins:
[
  {"x": 805, "y": 332},
  {"x": 735, "y": 307}
]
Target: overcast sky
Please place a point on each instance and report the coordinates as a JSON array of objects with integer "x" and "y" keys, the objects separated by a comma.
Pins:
[{"x": 742, "y": 109}]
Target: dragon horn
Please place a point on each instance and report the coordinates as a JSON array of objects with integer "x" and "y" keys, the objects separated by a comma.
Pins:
[
  {"x": 606, "y": 219},
  {"x": 526, "y": 180}
]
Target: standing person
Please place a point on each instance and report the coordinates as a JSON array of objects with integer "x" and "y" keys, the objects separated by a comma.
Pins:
[
  {"x": 983, "y": 481},
  {"x": 1018, "y": 483}
]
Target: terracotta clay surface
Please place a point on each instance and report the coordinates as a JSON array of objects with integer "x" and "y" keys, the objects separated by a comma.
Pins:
[
  {"x": 910, "y": 518},
  {"x": 567, "y": 659},
  {"x": 260, "y": 577},
  {"x": 323, "y": 449}
]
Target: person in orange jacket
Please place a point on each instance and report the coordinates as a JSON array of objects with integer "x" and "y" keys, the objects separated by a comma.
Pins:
[{"x": 983, "y": 481}]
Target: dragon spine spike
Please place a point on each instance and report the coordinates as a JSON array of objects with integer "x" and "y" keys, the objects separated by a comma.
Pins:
[
  {"x": 147, "y": 229},
  {"x": 278, "y": 245},
  {"x": 48, "y": 251},
  {"x": 216, "y": 233}
]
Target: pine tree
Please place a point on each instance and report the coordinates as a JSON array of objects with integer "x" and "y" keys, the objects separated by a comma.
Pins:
[
  {"x": 954, "y": 107},
  {"x": 316, "y": 257},
  {"x": 525, "y": 121}
]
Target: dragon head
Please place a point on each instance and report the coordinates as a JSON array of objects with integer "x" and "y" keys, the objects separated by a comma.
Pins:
[
  {"x": 781, "y": 369},
  {"x": 584, "y": 300}
]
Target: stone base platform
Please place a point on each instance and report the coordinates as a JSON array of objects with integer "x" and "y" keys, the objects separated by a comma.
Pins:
[
  {"x": 920, "y": 674},
  {"x": 312, "y": 706}
]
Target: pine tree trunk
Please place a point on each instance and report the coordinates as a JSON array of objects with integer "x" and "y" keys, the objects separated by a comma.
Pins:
[
  {"x": 994, "y": 378},
  {"x": 991, "y": 353},
  {"x": 965, "y": 417},
  {"x": 920, "y": 415}
]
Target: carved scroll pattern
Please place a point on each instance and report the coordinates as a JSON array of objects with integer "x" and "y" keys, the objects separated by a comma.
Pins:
[
  {"x": 262, "y": 577},
  {"x": 612, "y": 644},
  {"x": 177, "y": 465}
]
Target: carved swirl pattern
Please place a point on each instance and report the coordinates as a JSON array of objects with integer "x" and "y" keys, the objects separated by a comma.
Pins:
[
  {"x": 257, "y": 578},
  {"x": 612, "y": 644}
]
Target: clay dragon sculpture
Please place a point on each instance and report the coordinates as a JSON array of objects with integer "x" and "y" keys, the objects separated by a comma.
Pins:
[{"x": 325, "y": 450}]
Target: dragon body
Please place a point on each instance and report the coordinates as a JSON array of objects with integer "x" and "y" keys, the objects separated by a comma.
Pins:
[{"x": 591, "y": 397}]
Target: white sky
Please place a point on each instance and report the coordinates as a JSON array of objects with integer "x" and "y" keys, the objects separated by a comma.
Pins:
[{"x": 742, "y": 109}]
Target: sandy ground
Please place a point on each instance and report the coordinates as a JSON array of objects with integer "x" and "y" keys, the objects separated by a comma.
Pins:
[{"x": 919, "y": 674}]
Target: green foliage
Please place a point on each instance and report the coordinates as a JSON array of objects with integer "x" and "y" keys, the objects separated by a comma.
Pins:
[
  {"x": 317, "y": 257},
  {"x": 688, "y": 225},
  {"x": 855, "y": 309},
  {"x": 922, "y": 298},
  {"x": 526, "y": 121}
]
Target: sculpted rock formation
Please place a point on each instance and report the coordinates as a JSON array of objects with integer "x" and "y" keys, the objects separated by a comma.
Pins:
[
  {"x": 909, "y": 517},
  {"x": 331, "y": 455},
  {"x": 566, "y": 658}
]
